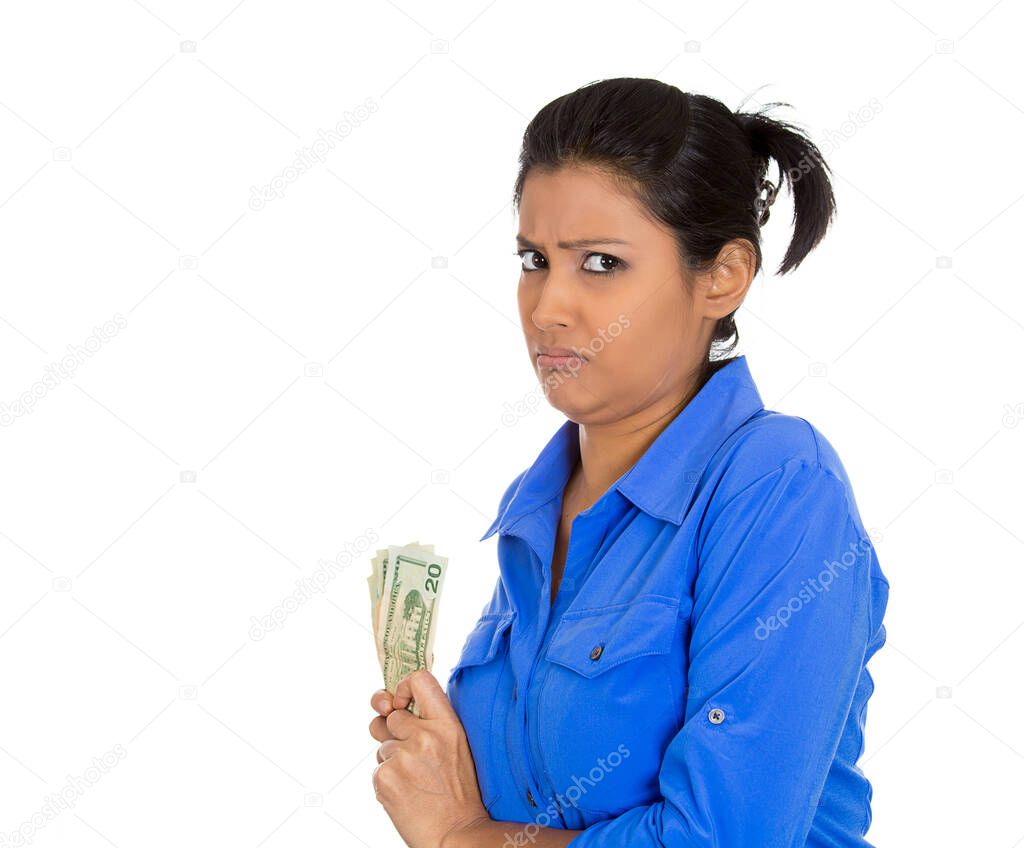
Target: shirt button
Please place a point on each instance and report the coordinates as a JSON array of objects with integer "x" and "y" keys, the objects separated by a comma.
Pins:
[
  {"x": 716, "y": 716},
  {"x": 596, "y": 653},
  {"x": 529, "y": 797}
]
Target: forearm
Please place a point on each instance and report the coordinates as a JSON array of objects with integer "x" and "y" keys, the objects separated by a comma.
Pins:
[{"x": 497, "y": 834}]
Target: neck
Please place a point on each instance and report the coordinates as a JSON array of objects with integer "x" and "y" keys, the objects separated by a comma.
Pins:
[{"x": 607, "y": 451}]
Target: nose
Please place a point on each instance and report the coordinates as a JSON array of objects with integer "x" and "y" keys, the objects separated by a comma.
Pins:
[{"x": 554, "y": 307}]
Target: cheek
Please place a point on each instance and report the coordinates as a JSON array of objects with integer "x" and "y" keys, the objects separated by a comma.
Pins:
[
  {"x": 619, "y": 344},
  {"x": 638, "y": 359}
]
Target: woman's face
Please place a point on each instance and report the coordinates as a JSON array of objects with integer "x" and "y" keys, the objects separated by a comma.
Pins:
[{"x": 603, "y": 279}]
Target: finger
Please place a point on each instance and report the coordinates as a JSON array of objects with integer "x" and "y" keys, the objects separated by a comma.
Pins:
[
  {"x": 430, "y": 698},
  {"x": 379, "y": 729},
  {"x": 400, "y": 723},
  {"x": 387, "y": 749},
  {"x": 381, "y": 701}
]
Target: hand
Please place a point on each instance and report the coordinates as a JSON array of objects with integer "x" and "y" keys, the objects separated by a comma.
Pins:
[
  {"x": 426, "y": 778},
  {"x": 382, "y": 704}
]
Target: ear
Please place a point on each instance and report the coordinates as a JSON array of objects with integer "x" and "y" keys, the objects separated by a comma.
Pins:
[{"x": 726, "y": 284}]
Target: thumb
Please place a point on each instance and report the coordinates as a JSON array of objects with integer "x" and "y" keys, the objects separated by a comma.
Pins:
[{"x": 422, "y": 687}]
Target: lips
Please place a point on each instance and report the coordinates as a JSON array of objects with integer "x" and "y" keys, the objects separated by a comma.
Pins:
[
  {"x": 559, "y": 357},
  {"x": 558, "y": 352}
]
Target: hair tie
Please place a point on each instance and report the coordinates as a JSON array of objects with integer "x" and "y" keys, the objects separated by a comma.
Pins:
[{"x": 762, "y": 203}]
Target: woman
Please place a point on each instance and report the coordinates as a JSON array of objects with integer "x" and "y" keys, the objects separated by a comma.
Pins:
[{"x": 675, "y": 651}]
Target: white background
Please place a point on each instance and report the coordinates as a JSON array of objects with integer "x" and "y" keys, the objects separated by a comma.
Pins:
[{"x": 128, "y": 163}]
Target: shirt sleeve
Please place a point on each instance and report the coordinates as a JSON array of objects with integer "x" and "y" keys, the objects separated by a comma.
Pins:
[{"x": 780, "y": 628}]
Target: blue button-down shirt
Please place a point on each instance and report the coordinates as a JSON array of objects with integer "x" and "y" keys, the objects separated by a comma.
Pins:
[{"x": 701, "y": 678}]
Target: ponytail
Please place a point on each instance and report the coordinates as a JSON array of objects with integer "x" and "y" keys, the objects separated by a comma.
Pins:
[{"x": 800, "y": 165}]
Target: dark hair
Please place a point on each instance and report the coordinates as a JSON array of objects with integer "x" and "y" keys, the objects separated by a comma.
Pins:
[{"x": 694, "y": 164}]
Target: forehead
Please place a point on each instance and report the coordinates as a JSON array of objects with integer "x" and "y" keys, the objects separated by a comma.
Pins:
[{"x": 577, "y": 202}]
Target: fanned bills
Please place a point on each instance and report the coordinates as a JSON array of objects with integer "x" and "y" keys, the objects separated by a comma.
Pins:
[{"x": 405, "y": 589}]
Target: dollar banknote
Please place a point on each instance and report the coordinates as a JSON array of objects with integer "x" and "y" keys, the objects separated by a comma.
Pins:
[{"x": 405, "y": 587}]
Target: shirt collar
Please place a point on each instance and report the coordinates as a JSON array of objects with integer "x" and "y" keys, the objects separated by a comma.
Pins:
[{"x": 663, "y": 479}]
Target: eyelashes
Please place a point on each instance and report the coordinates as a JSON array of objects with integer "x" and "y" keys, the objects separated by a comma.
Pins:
[{"x": 618, "y": 263}]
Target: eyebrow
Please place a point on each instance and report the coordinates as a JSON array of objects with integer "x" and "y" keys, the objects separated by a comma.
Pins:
[{"x": 574, "y": 244}]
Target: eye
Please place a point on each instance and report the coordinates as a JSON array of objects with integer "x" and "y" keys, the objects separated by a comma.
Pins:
[
  {"x": 522, "y": 255},
  {"x": 602, "y": 268},
  {"x": 605, "y": 265}
]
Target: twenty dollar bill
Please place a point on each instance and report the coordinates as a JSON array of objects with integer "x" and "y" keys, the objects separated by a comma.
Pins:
[{"x": 405, "y": 590}]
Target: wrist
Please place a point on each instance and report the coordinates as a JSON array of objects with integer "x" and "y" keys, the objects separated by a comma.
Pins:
[{"x": 466, "y": 834}]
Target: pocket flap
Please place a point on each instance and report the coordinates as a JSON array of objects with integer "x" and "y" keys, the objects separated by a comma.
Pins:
[
  {"x": 483, "y": 641},
  {"x": 592, "y": 641}
]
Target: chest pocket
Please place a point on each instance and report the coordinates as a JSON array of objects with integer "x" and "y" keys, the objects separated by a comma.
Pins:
[
  {"x": 483, "y": 642},
  {"x": 479, "y": 690},
  {"x": 591, "y": 642},
  {"x": 612, "y": 698}
]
